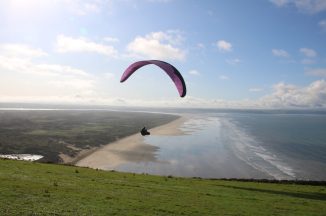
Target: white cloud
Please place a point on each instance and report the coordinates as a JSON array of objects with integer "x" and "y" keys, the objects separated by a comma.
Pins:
[
  {"x": 308, "y": 61},
  {"x": 223, "y": 77},
  {"x": 68, "y": 44},
  {"x": 59, "y": 70},
  {"x": 280, "y": 53},
  {"x": 40, "y": 79},
  {"x": 158, "y": 45},
  {"x": 321, "y": 72},
  {"x": 171, "y": 36},
  {"x": 22, "y": 79},
  {"x": 21, "y": 50},
  {"x": 285, "y": 95},
  {"x": 223, "y": 45},
  {"x": 255, "y": 89},
  {"x": 322, "y": 24},
  {"x": 307, "y": 6},
  {"x": 21, "y": 65},
  {"x": 194, "y": 72},
  {"x": 309, "y": 56},
  {"x": 308, "y": 52}
]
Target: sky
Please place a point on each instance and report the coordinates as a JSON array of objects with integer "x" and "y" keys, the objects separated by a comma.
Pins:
[{"x": 231, "y": 53}]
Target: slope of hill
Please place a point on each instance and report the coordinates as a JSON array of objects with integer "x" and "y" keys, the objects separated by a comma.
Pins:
[{"x": 28, "y": 188}]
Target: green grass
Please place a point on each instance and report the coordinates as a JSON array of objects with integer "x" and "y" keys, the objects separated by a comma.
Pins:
[
  {"x": 72, "y": 131},
  {"x": 46, "y": 189}
]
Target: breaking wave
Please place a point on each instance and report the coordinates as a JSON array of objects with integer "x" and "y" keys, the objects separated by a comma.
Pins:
[
  {"x": 25, "y": 157},
  {"x": 248, "y": 149}
]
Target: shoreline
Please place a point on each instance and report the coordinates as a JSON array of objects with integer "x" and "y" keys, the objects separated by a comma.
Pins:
[{"x": 128, "y": 149}]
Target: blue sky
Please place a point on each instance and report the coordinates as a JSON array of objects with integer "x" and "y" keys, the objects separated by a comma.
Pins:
[{"x": 252, "y": 54}]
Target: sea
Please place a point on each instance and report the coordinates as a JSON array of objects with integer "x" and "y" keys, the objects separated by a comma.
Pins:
[{"x": 263, "y": 144}]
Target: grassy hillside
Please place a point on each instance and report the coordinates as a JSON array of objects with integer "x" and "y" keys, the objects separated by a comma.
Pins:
[{"x": 45, "y": 189}]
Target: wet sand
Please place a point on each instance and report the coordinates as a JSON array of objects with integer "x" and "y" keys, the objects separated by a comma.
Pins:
[
  {"x": 129, "y": 149},
  {"x": 132, "y": 154}
]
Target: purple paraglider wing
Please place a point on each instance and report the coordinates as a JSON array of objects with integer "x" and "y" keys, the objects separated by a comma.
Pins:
[{"x": 169, "y": 69}]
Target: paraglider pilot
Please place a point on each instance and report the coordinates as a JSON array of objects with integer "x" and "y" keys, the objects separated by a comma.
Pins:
[{"x": 144, "y": 132}]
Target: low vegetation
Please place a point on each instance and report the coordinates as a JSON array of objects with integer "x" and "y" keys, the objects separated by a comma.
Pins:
[
  {"x": 28, "y": 188},
  {"x": 50, "y": 133}
]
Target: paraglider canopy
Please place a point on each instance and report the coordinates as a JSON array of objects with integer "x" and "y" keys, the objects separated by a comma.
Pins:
[{"x": 169, "y": 69}]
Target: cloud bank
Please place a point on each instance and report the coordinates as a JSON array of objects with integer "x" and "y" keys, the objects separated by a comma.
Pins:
[
  {"x": 18, "y": 65},
  {"x": 285, "y": 95},
  {"x": 158, "y": 45},
  {"x": 21, "y": 50},
  {"x": 307, "y": 6},
  {"x": 65, "y": 44}
]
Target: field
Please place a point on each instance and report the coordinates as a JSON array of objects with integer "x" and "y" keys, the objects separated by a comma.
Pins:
[
  {"x": 50, "y": 133},
  {"x": 28, "y": 188}
]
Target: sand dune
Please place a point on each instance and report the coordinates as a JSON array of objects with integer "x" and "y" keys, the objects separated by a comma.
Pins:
[{"x": 129, "y": 149}]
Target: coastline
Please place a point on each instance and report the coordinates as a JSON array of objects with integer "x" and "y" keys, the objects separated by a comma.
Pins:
[{"x": 128, "y": 149}]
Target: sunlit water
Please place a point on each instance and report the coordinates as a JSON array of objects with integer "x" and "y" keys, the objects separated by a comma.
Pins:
[
  {"x": 241, "y": 145},
  {"x": 25, "y": 157}
]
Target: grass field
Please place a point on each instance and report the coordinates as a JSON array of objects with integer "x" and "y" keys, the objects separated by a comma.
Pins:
[{"x": 28, "y": 188}]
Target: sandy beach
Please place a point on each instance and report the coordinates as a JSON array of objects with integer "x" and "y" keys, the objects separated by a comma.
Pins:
[
  {"x": 129, "y": 149},
  {"x": 218, "y": 162}
]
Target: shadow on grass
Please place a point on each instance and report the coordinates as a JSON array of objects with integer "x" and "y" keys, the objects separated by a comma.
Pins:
[{"x": 312, "y": 196}]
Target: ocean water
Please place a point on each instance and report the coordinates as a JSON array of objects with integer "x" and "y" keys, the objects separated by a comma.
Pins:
[{"x": 271, "y": 145}]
